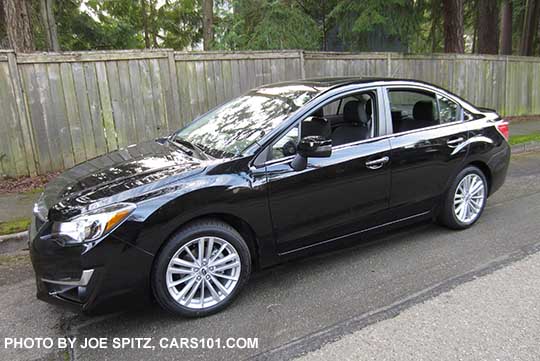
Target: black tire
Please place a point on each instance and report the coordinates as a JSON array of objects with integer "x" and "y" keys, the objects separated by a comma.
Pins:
[
  {"x": 447, "y": 215},
  {"x": 206, "y": 227}
]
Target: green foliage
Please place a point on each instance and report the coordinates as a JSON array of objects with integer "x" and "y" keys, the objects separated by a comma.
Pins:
[
  {"x": 77, "y": 30},
  {"x": 397, "y": 18},
  {"x": 181, "y": 22},
  {"x": 284, "y": 27},
  {"x": 415, "y": 25},
  {"x": 268, "y": 24}
]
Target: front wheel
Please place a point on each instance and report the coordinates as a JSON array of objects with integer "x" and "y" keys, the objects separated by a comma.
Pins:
[
  {"x": 465, "y": 200},
  {"x": 201, "y": 269}
]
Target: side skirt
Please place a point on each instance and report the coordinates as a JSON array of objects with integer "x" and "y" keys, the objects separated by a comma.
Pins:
[{"x": 363, "y": 231}]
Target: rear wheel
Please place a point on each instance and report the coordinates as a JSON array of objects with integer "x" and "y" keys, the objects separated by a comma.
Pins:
[
  {"x": 201, "y": 269},
  {"x": 465, "y": 200}
]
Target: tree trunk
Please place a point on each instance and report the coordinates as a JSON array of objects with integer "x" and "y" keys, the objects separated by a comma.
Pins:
[
  {"x": 488, "y": 19},
  {"x": 49, "y": 24},
  {"x": 208, "y": 22},
  {"x": 3, "y": 35},
  {"x": 453, "y": 26},
  {"x": 506, "y": 27},
  {"x": 529, "y": 28},
  {"x": 18, "y": 25},
  {"x": 154, "y": 23},
  {"x": 144, "y": 16},
  {"x": 434, "y": 20},
  {"x": 475, "y": 34}
]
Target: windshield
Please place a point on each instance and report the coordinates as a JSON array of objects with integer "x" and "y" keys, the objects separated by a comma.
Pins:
[{"x": 234, "y": 126}]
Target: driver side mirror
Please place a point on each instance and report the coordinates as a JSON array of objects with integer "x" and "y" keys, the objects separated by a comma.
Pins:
[{"x": 314, "y": 146}]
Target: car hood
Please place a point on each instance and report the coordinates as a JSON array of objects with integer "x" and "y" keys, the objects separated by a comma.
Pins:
[{"x": 118, "y": 176}]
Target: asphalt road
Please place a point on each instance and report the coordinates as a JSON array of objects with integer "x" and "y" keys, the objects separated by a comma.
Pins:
[{"x": 299, "y": 306}]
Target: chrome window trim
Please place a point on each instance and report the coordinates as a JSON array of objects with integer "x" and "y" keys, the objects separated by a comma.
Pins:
[
  {"x": 360, "y": 142},
  {"x": 342, "y": 90},
  {"x": 380, "y": 116},
  {"x": 388, "y": 88}
]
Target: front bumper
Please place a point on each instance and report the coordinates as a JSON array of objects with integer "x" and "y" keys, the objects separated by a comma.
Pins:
[{"x": 90, "y": 278}]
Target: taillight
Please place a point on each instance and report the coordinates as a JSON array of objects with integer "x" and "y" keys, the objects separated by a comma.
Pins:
[{"x": 502, "y": 126}]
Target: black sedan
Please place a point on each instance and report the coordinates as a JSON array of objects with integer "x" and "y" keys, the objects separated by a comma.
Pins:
[{"x": 283, "y": 170}]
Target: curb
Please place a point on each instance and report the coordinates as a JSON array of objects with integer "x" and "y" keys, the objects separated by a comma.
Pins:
[
  {"x": 526, "y": 147},
  {"x": 18, "y": 241},
  {"x": 13, "y": 242}
]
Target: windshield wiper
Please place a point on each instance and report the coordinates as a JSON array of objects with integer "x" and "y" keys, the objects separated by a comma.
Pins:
[{"x": 188, "y": 147}]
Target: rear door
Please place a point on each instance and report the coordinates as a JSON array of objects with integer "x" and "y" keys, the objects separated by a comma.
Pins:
[{"x": 428, "y": 147}]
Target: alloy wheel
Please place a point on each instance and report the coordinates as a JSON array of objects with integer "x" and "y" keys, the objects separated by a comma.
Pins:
[
  {"x": 203, "y": 272},
  {"x": 469, "y": 198}
]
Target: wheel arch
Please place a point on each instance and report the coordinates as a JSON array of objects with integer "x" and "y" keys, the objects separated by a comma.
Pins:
[
  {"x": 239, "y": 224},
  {"x": 485, "y": 169}
]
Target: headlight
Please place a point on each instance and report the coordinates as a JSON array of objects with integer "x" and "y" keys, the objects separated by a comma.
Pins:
[{"x": 93, "y": 225}]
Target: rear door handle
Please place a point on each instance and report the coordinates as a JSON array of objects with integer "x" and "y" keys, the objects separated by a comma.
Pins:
[
  {"x": 377, "y": 163},
  {"x": 454, "y": 142}
]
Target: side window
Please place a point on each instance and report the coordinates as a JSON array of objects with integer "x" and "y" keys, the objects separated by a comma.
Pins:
[
  {"x": 448, "y": 110},
  {"x": 352, "y": 118},
  {"x": 412, "y": 109},
  {"x": 286, "y": 145}
]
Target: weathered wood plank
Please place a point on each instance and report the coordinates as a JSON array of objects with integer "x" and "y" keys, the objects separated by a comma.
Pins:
[
  {"x": 195, "y": 101},
  {"x": 59, "y": 114},
  {"x": 127, "y": 102},
  {"x": 96, "y": 116},
  {"x": 148, "y": 101},
  {"x": 23, "y": 115},
  {"x": 170, "y": 118},
  {"x": 106, "y": 106},
  {"x": 72, "y": 113},
  {"x": 186, "y": 110},
  {"x": 121, "y": 123},
  {"x": 138, "y": 108},
  {"x": 52, "y": 130},
  {"x": 43, "y": 155},
  {"x": 12, "y": 155},
  {"x": 219, "y": 82},
  {"x": 228, "y": 84},
  {"x": 210, "y": 84},
  {"x": 91, "y": 56},
  {"x": 174, "y": 114},
  {"x": 157, "y": 99},
  {"x": 201, "y": 87},
  {"x": 83, "y": 109}
]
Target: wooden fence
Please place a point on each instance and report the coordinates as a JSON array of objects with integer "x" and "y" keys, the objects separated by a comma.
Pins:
[{"x": 60, "y": 109}]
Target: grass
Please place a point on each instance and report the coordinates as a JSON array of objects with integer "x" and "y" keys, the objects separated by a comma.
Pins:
[
  {"x": 10, "y": 260},
  {"x": 15, "y": 226},
  {"x": 36, "y": 190},
  {"x": 518, "y": 139}
]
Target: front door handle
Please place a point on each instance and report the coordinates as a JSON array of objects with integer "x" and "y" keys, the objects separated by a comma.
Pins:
[
  {"x": 377, "y": 163},
  {"x": 454, "y": 142}
]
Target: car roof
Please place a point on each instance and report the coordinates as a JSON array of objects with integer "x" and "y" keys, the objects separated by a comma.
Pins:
[{"x": 334, "y": 82}]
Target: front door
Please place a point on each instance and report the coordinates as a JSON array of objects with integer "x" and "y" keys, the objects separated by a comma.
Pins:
[{"x": 336, "y": 196}]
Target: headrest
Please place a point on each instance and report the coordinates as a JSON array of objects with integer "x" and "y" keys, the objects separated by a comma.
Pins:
[
  {"x": 355, "y": 112},
  {"x": 315, "y": 125},
  {"x": 423, "y": 110}
]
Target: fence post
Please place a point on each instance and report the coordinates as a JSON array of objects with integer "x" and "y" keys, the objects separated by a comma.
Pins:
[
  {"x": 389, "y": 65},
  {"x": 506, "y": 85},
  {"x": 302, "y": 68},
  {"x": 23, "y": 114}
]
